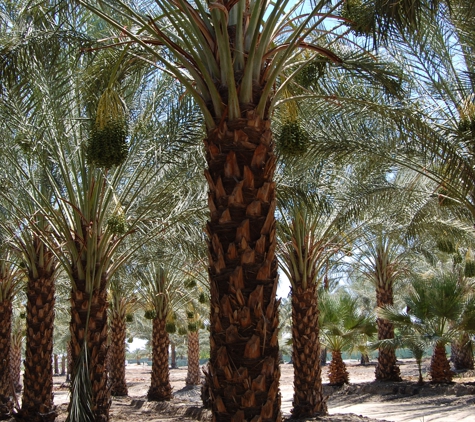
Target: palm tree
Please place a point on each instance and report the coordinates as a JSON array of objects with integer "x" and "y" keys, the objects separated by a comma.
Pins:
[
  {"x": 9, "y": 283},
  {"x": 234, "y": 53},
  {"x": 160, "y": 293},
  {"x": 18, "y": 336},
  {"x": 343, "y": 326},
  {"x": 310, "y": 235},
  {"x": 439, "y": 309},
  {"x": 122, "y": 303}
]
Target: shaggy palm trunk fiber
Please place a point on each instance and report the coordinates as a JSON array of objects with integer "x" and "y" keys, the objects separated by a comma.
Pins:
[
  {"x": 337, "y": 373},
  {"x": 15, "y": 359},
  {"x": 308, "y": 389},
  {"x": 193, "y": 374},
  {"x": 440, "y": 371},
  {"x": 244, "y": 374},
  {"x": 96, "y": 339},
  {"x": 386, "y": 369},
  {"x": 160, "y": 387},
  {"x": 116, "y": 357},
  {"x": 462, "y": 353},
  {"x": 6, "y": 393}
]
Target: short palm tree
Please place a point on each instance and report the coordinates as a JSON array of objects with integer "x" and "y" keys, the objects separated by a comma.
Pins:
[
  {"x": 161, "y": 290},
  {"x": 439, "y": 309},
  {"x": 122, "y": 304},
  {"x": 343, "y": 328}
]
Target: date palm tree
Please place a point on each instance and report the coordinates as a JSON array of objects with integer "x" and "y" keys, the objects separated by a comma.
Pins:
[
  {"x": 160, "y": 291},
  {"x": 122, "y": 303},
  {"x": 311, "y": 234},
  {"x": 229, "y": 56}
]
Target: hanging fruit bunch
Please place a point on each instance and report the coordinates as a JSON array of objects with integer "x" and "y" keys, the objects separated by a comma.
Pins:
[
  {"x": 117, "y": 223},
  {"x": 360, "y": 15},
  {"x": 312, "y": 72},
  {"x": 293, "y": 140},
  {"x": 107, "y": 145}
]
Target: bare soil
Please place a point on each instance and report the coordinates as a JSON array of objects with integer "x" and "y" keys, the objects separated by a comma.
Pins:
[{"x": 362, "y": 400}]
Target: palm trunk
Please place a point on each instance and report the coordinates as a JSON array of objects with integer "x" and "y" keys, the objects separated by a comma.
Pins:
[
  {"x": 244, "y": 372},
  {"x": 96, "y": 345},
  {"x": 337, "y": 372},
  {"x": 69, "y": 360},
  {"x": 386, "y": 369},
  {"x": 160, "y": 388},
  {"x": 6, "y": 393},
  {"x": 308, "y": 389},
  {"x": 37, "y": 399},
  {"x": 193, "y": 375},
  {"x": 56, "y": 364},
  {"x": 439, "y": 365},
  {"x": 15, "y": 360},
  {"x": 462, "y": 353},
  {"x": 63, "y": 365},
  {"x": 116, "y": 357}
]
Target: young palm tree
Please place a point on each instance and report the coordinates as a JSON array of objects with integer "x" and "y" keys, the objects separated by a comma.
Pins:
[
  {"x": 382, "y": 259},
  {"x": 343, "y": 328},
  {"x": 160, "y": 293},
  {"x": 310, "y": 234},
  {"x": 439, "y": 309},
  {"x": 122, "y": 303}
]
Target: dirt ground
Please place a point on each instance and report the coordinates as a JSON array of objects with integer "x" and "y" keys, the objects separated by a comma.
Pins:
[{"x": 362, "y": 400}]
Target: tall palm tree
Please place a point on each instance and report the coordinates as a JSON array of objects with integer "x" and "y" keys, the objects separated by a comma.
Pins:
[{"x": 234, "y": 53}]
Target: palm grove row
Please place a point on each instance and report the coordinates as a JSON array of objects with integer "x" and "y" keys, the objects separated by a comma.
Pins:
[{"x": 336, "y": 139}]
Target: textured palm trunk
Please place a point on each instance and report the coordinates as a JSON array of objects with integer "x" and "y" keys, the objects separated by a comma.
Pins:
[
  {"x": 63, "y": 365},
  {"x": 96, "y": 344},
  {"x": 243, "y": 377},
  {"x": 116, "y": 356},
  {"x": 462, "y": 353},
  {"x": 440, "y": 371},
  {"x": 6, "y": 393},
  {"x": 15, "y": 360},
  {"x": 160, "y": 387},
  {"x": 308, "y": 389},
  {"x": 37, "y": 398},
  {"x": 337, "y": 373},
  {"x": 386, "y": 368},
  {"x": 193, "y": 375}
]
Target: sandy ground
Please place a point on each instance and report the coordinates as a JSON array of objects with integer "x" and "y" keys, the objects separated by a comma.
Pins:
[{"x": 362, "y": 399}]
